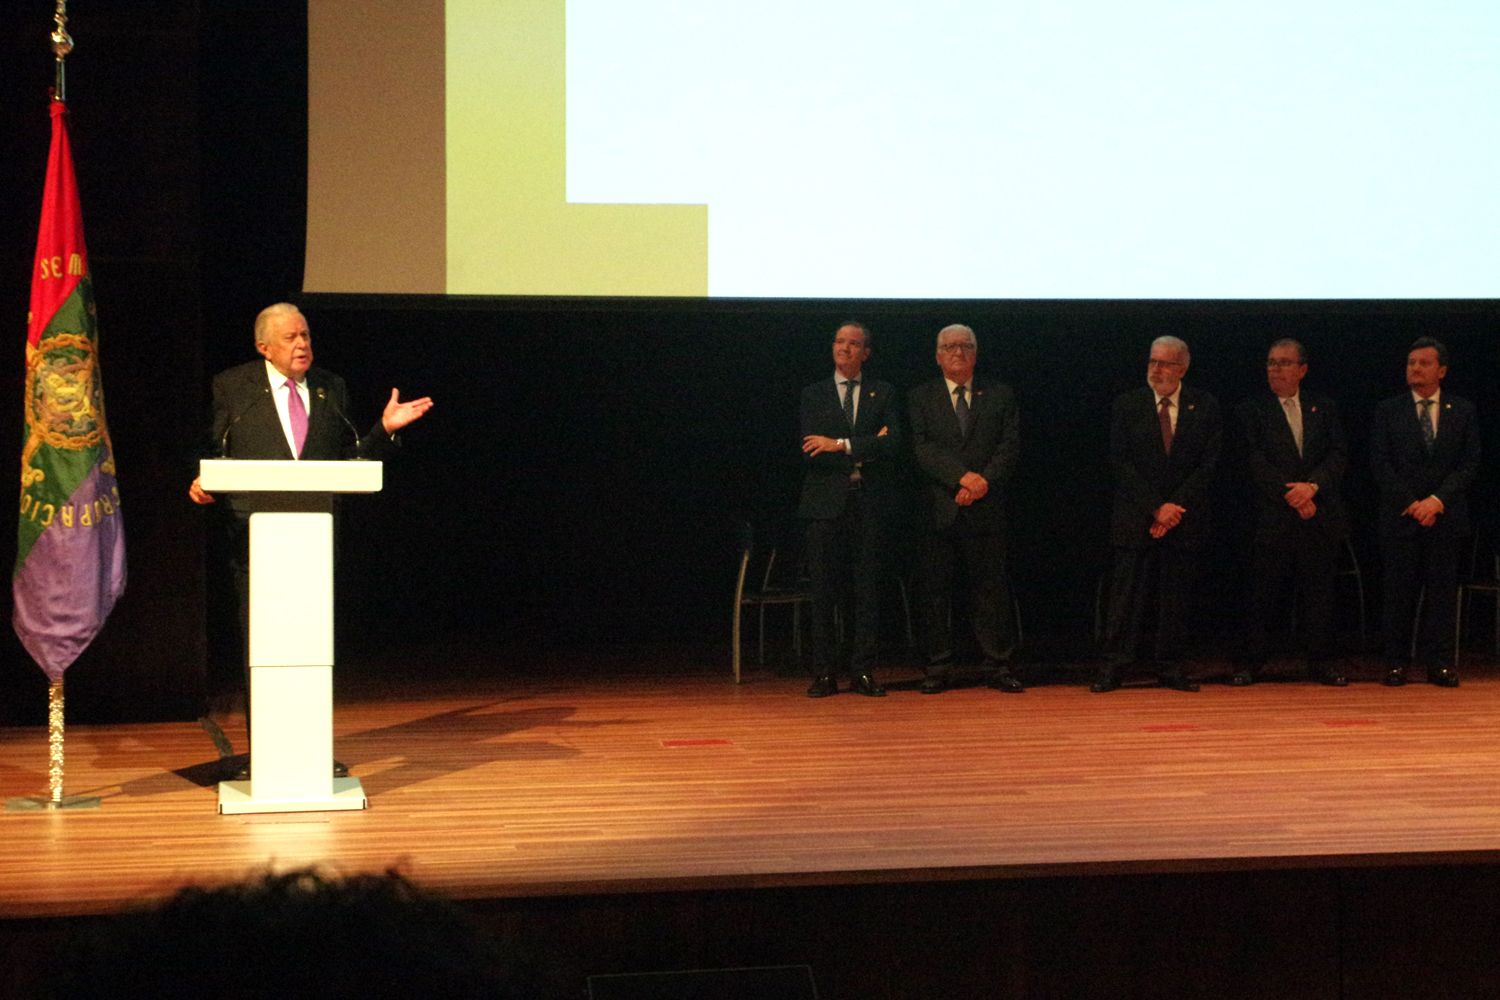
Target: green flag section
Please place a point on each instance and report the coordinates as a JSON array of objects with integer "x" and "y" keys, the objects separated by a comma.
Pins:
[{"x": 70, "y": 552}]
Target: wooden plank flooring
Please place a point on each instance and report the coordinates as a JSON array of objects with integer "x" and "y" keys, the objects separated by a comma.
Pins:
[{"x": 586, "y": 784}]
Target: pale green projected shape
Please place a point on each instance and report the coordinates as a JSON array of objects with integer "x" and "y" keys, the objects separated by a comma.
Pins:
[{"x": 510, "y": 228}]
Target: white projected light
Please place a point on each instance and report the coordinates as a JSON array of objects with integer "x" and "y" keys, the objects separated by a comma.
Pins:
[{"x": 1056, "y": 149}]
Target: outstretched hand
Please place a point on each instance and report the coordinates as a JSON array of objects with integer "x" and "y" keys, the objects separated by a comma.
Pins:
[{"x": 398, "y": 414}]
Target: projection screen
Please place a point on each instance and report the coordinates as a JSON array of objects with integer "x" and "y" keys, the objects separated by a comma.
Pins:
[{"x": 972, "y": 149}]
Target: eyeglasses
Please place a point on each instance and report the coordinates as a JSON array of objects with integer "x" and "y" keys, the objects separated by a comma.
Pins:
[
  {"x": 1281, "y": 363},
  {"x": 1155, "y": 363},
  {"x": 956, "y": 348}
]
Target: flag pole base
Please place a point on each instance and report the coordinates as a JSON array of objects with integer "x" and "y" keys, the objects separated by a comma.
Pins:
[{"x": 39, "y": 803}]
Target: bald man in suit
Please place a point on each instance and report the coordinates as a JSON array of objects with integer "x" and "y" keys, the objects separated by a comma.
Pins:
[{"x": 851, "y": 436}]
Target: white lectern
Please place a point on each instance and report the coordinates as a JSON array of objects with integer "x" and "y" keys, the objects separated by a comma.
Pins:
[{"x": 291, "y": 631}]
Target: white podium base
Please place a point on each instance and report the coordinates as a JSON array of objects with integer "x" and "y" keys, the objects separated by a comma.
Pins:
[{"x": 235, "y": 798}]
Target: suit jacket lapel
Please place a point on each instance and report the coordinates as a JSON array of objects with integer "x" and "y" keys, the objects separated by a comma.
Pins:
[
  {"x": 1312, "y": 426},
  {"x": 868, "y": 405},
  {"x": 270, "y": 419},
  {"x": 1283, "y": 427}
]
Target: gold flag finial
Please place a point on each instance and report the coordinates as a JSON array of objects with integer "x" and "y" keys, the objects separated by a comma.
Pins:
[{"x": 62, "y": 44}]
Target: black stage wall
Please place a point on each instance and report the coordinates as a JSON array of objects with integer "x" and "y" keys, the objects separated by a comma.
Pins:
[{"x": 587, "y": 462}]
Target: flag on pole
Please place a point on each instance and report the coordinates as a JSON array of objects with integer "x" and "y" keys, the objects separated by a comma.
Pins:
[{"x": 70, "y": 554}]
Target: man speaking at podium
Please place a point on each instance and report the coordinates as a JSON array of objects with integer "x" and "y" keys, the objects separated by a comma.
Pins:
[
  {"x": 282, "y": 408},
  {"x": 256, "y": 414}
]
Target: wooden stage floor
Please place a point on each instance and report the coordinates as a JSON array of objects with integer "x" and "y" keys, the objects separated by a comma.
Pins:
[{"x": 530, "y": 786}]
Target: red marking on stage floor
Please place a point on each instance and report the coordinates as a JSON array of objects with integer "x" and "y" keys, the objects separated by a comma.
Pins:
[
  {"x": 674, "y": 744},
  {"x": 1350, "y": 722},
  {"x": 1172, "y": 727}
]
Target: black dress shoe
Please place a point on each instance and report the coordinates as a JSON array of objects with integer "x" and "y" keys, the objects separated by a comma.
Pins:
[
  {"x": 241, "y": 773},
  {"x": 1105, "y": 683},
  {"x": 1326, "y": 671},
  {"x": 823, "y": 687},
  {"x": 1243, "y": 678},
  {"x": 1442, "y": 677},
  {"x": 340, "y": 769},
  {"x": 1177, "y": 682},
  {"x": 865, "y": 684},
  {"x": 1007, "y": 682},
  {"x": 1394, "y": 677},
  {"x": 933, "y": 685}
]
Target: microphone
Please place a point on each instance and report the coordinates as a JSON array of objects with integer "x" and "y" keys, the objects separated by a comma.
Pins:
[
  {"x": 324, "y": 397},
  {"x": 265, "y": 394}
]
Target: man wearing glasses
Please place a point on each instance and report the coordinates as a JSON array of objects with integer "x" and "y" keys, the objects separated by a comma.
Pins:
[
  {"x": 1164, "y": 441},
  {"x": 1297, "y": 458},
  {"x": 966, "y": 437}
]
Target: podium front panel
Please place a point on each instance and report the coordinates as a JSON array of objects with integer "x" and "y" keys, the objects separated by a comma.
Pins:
[{"x": 291, "y": 590}]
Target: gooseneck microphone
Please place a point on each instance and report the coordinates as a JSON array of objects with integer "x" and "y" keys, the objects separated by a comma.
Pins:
[
  {"x": 324, "y": 397},
  {"x": 265, "y": 394}
]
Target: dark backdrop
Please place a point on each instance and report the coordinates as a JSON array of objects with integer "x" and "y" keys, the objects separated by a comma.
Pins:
[{"x": 583, "y": 473}]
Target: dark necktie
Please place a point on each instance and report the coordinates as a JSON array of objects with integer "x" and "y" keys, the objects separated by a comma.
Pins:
[
  {"x": 1164, "y": 417},
  {"x": 298, "y": 415},
  {"x": 849, "y": 386},
  {"x": 961, "y": 407},
  {"x": 1429, "y": 436}
]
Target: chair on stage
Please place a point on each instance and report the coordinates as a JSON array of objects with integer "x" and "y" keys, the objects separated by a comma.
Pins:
[
  {"x": 1482, "y": 577},
  {"x": 765, "y": 580},
  {"x": 1351, "y": 571}
]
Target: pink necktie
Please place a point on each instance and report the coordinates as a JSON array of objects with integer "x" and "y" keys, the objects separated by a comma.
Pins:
[{"x": 298, "y": 414}]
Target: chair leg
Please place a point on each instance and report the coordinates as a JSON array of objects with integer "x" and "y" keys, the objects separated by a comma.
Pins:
[
  {"x": 1458, "y": 627},
  {"x": 911, "y": 637},
  {"x": 734, "y": 642},
  {"x": 1359, "y": 593},
  {"x": 762, "y": 657},
  {"x": 1416, "y": 622}
]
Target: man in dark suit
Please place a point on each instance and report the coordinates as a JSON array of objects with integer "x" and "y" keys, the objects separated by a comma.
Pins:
[
  {"x": 966, "y": 436},
  {"x": 850, "y": 435},
  {"x": 1424, "y": 453},
  {"x": 1296, "y": 451},
  {"x": 283, "y": 408},
  {"x": 1164, "y": 441}
]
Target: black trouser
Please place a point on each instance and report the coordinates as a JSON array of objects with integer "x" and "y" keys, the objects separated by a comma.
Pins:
[
  {"x": 846, "y": 558},
  {"x": 1157, "y": 573},
  {"x": 1413, "y": 562},
  {"x": 982, "y": 554},
  {"x": 1299, "y": 562}
]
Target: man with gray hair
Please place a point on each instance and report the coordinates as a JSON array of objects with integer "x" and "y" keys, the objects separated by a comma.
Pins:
[
  {"x": 1164, "y": 441},
  {"x": 281, "y": 407},
  {"x": 966, "y": 436}
]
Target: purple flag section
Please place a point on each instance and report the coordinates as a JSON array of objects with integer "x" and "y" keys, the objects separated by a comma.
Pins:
[{"x": 69, "y": 589}]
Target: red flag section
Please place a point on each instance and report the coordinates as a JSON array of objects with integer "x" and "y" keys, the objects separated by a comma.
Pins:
[{"x": 61, "y": 258}]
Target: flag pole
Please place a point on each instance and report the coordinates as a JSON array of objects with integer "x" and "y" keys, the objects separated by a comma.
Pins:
[{"x": 62, "y": 44}]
